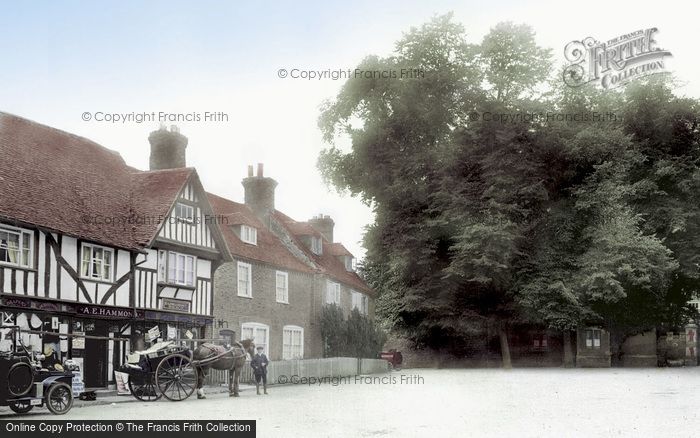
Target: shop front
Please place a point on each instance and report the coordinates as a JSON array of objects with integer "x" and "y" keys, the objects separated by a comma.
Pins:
[
  {"x": 110, "y": 332},
  {"x": 44, "y": 324}
]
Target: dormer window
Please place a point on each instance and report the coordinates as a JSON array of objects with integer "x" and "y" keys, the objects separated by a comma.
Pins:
[
  {"x": 184, "y": 213},
  {"x": 249, "y": 234},
  {"x": 349, "y": 263},
  {"x": 316, "y": 245}
]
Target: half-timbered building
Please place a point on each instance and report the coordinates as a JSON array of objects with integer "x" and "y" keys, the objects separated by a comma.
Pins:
[{"x": 89, "y": 245}]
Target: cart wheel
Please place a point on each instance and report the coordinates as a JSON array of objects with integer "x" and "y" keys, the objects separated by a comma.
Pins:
[
  {"x": 176, "y": 377},
  {"x": 59, "y": 398},
  {"x": 21, "y": 407},
  {"x": 145, "y": 391}
]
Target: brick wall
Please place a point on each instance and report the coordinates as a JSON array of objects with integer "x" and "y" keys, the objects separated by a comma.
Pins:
[
  {"x": 263, "y": 307},
  {"x": 307, "y": 294}
]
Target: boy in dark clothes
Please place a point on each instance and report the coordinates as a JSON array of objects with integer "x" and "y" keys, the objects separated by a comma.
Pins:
[{"x": 259, "y": 364}]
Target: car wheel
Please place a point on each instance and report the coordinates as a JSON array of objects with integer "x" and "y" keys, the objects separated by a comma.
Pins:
[{"x": 59, "y": 398}]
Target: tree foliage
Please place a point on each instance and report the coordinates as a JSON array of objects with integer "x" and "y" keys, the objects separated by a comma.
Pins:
[
  {"x": 356, "y": 336},
  {"x": 482, "y": 220}
]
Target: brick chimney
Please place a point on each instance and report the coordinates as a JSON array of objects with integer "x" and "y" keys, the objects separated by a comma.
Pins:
[
  {"x": 167, "y": 148},
  {"x": 324, "y": 225},
  {"x": 259, "y": 192}
]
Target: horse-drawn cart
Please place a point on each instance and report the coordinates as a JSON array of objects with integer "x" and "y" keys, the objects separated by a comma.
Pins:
[
  {"x": 164, "y": 370},
  {"x": 171, "y": 371}
]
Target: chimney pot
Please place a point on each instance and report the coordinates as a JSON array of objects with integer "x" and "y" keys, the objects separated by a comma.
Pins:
[
  {"x": 259, "y": 192},
  {"x": 168, "y": 149},
  {"x": 324, "y": 225}
]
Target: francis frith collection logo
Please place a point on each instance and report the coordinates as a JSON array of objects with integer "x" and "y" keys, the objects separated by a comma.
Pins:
[{"x": 614, "y": 62}]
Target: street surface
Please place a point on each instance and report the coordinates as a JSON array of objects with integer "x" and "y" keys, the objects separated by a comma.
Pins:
[{"x": 452, "y": 403}]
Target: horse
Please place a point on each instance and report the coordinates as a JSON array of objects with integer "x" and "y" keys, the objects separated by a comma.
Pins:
[{"x": 219, "y": 357}]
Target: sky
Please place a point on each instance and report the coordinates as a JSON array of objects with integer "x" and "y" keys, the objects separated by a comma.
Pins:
[{"x": 61, "y": 59}]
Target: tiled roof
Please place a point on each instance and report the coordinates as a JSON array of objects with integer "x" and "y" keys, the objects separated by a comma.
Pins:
[
  {"x": 302, "y": 229},
  {"x": 238, "y": 218},
  {"x": 336, "y": 249},
  {"x": 269, "y": 249},
  {"x": 69, "y": 184},
  {"x": 328, "y": 262},
  {"x": 153, "y": 194}
]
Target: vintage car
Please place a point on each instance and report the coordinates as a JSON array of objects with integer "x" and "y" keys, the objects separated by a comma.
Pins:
[{"x": 24, "y": 383}]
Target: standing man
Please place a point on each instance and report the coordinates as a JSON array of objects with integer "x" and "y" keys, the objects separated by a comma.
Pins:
[{"x": 259, "y": 364}]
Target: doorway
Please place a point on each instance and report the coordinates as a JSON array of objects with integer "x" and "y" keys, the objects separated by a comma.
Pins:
[{"x": 95, "y": 362}]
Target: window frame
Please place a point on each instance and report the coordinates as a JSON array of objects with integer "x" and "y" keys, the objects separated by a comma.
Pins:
[
  {"x": 336, "y": 292},
  {"x": 593, "y": 338},
  {"x": 285, "y": 294},
  {"x": 350, "y": 263},
  {"x": 92, "y": 248},
  {"x": 249, "y": 286},
  {"x": 21, "y": 233},
  {"x": 287, "y": 354},
  {"x": 254, "y": 326},
  {"x": 164, "y": 268},
  {"x": 246, "y": 232},
  {"x": 360, "y": 302},
  {"x": 540, "y": 342},
  {"x": 177, "y": 212},
  {"x": 317, "y": 245}
]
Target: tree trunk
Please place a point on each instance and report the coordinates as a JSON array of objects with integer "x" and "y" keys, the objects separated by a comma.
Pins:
[
  {"x": 568, "y": 351},
  {"x": 505, "y": 351}
]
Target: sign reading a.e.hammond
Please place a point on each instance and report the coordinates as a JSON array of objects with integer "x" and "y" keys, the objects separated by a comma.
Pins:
[{"x": 614, "y": 62}]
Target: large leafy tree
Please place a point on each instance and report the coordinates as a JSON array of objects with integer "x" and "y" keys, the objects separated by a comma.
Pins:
[
  {"x": 482, "y": 221},
  {"x": 448, "y": 201}
]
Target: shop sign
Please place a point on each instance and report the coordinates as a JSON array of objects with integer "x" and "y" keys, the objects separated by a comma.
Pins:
[
  {"x": 77, "y": 383},
  {"x": 107, "y": 312},
  {"x": 176, "y": 317},
  {"x": 16, "y": 302},
  {"x": 153, "y": 333},
  {"x": 175, "y": 305},
  {"x": 52, "y": 307},
  {"x": 79, "y": 341}
]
